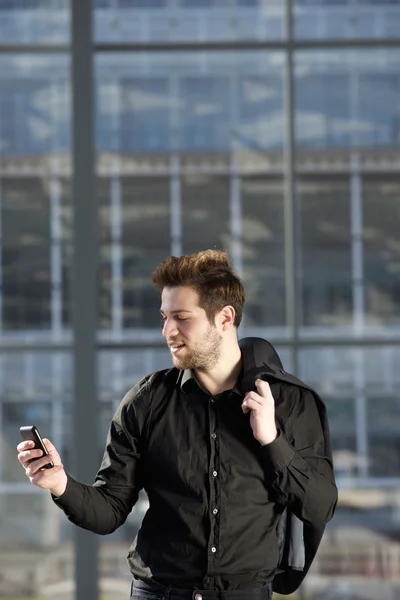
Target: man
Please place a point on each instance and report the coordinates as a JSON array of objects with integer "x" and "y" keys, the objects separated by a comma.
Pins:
[{"x": 219, "y": 465}]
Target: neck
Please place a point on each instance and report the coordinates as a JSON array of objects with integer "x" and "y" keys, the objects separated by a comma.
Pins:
[{"x": 224, "y": 375}]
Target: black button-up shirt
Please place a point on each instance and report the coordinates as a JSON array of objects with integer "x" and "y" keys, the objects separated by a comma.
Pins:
[{"x": 215, "y": 494}]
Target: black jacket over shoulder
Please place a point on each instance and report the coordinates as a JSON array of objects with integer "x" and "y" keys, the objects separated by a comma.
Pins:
[
  {"x": 298, "y": 541},
  {"x": 224, "y": 511}
]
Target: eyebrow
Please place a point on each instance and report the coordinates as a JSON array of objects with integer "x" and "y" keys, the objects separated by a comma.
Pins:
[{"x": 179, "y": 310}]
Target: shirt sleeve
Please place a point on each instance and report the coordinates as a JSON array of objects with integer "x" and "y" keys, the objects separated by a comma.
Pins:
[
  {"x": 298, "y": 470},
  {"x": 105, "y": 505}
]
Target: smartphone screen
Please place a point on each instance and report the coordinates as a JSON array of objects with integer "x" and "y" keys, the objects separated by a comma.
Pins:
[{"x": 31, "y": 433}]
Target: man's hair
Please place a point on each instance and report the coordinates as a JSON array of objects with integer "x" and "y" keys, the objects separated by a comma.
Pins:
[{"x": 210, "y": 273}]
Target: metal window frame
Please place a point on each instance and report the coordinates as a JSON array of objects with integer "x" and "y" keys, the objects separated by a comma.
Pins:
[
  {"x": 84, "y": 286},
  {"x": 85, "y": 237}
]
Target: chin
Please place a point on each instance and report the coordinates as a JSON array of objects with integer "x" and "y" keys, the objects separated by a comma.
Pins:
[{"x": 179, "y": 364}]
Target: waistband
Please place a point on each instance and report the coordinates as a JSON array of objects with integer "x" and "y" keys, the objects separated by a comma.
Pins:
[{"x": 263, "y": 593}]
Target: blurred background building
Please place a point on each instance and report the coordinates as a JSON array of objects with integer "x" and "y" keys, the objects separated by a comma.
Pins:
[{"x": 269, "y": 128}]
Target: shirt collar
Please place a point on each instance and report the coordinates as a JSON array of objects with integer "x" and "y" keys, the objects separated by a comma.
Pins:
[{"x": 188, "y": 375}]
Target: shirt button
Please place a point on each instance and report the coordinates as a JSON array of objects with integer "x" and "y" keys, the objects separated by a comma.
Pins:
[
  {"x": 215, "y": 511},
  {"x": 213, "y": 435},
  {"x": 213, "y": 549},
  {"x": 212, "y": 399},
  {"x": 215, "y": 473}
]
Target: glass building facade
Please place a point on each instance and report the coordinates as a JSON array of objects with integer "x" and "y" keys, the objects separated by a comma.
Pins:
[{"x": 268, "y": 128}]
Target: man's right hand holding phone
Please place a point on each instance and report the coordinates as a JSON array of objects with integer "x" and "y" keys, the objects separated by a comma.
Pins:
[{"x": 33, "y": 461}]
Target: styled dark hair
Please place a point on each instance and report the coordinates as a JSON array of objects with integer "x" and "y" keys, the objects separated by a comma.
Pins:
[{"x": 211, "y": 274}]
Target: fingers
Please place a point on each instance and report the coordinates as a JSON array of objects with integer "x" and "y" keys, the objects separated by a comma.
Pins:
[
  {"x": 27, "y": 456},
  {"x": 256, "y": 401},
  {"x": 25, "y": 445},
  {"x": 36, "y": 465},
  {"x": 254, "y": 396},
  {"x": 263, "y": 387},
  {"x": 42, "y": 478},
  {"x": 251, "y": 404}
]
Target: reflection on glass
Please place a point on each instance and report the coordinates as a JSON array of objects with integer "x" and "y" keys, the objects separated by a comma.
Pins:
[
  {"x": 34, "y": 388},
  {"x": 188, "y": 20},
  {"x": 363, "y": 402},
  {"x": 347, "y": 98},
  {"x": 346, "y": 19},
  {"x": 34, "y": 22},
  {"x": 381, "y": 222},
  {"x": 35, "y": 194},
  {"x": 263, "y": 252},
  {"x": 384, "y": 448},
  {"x": 206, "y": 218},
  {"x": 174, "y": 134},
  {"x": 347, "y": 105},
  {"x": 135, "y": 235},
  {"x": 153, "y": 104},
  {"x": 146, "y": 242},
  {"x": 118, "y": 372},
  {"x": 325, "y": 250}
]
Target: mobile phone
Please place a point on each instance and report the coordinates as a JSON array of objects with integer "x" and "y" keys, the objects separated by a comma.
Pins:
[{"x": 31, "y": 433}]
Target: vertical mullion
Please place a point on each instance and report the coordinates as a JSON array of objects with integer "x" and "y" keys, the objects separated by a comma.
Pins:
[
  {"x": 116, "y": 254},
  {"x": 84, "y": 297},
  {"x": 289, "y": 193},
  {"x": 56, "y": 251},
  {"x": 1, "y": 258},
  {"x": 175, "y": 205},
  {"x": 357, "y": 246},
  {"x": 236, "y": 223}
]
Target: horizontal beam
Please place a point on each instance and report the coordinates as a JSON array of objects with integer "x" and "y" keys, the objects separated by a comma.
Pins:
[
  {"x": 247, "y": 45},
  {"x": 139, "y": 345},
  {"x": 233, "y": 45}
]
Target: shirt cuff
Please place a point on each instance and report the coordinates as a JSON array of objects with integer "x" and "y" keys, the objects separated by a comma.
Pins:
[
  {"x": 70, "y": 497},
  {"x": 278, "y": 454}
]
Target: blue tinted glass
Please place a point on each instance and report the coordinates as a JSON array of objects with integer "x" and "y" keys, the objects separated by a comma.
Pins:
[
  {"x": 34, "y": 21},
  {"x": 325, "y": 19},
  {"x": 153, "y": 21}
]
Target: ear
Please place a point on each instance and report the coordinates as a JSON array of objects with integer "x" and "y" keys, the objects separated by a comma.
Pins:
[{"x": 227, "y": 317}]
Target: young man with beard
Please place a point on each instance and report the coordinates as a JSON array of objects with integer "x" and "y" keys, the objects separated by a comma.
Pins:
[{"x": 217, "y": 463}]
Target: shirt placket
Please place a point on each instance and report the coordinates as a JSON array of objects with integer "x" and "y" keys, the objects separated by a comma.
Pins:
[{"x": 215, "y": 493}]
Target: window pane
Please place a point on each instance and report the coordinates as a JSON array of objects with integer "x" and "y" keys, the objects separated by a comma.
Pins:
[
  {"x": 347, "y": 98},
  {"x": 188, "y": 20},
  {"x": 206, "y": 217},
  {"x": 325, "y": 250},
  {"x": 150, "y": 104},
  {"x": 35, "y": 199},
  {"x": 325, "y": 19},
  {"x": 346, "y": 130},
  {"x": 360, "y": 389},
  {"x": 34, "y": 390},
  {"x": 263, "y": 252},
  {"x": 34, "y": 21},
  {"x": 179, "y": 137},
  {"x": 381, "y": 225}
]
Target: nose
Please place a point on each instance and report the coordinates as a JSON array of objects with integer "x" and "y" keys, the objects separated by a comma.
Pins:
[{"x": 170, "y": 329}]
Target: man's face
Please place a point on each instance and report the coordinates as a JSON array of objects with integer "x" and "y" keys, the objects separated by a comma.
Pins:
[{"x": 193, "y": 341}]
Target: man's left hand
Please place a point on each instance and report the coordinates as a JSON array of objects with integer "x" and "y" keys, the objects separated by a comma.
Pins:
[{"x": 262, "y": 417}]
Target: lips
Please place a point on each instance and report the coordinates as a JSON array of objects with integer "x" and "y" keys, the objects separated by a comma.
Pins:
[{"x": 176, "y": 348}]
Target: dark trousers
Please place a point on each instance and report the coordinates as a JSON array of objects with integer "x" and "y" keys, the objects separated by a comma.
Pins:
[{"x": 146, "y": 591}]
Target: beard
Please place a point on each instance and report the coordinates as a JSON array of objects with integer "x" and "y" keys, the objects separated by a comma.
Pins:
[{"x": 203, "y": 354}]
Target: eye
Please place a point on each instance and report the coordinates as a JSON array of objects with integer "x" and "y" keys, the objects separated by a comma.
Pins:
[{"x": 181, "y": 319}]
